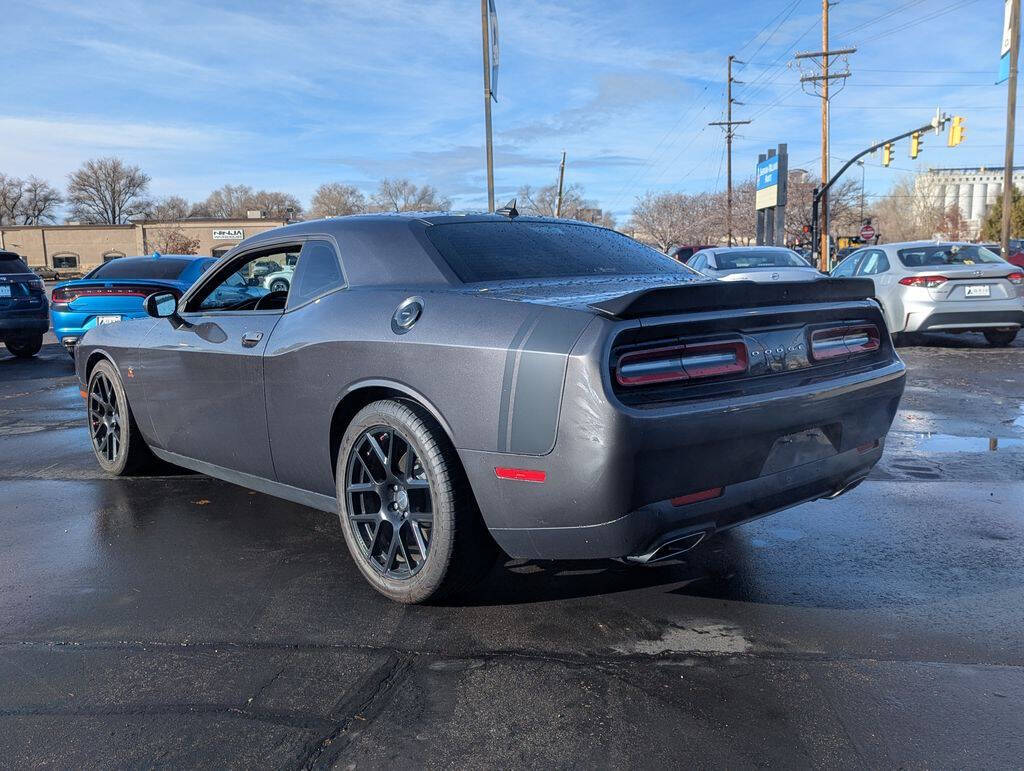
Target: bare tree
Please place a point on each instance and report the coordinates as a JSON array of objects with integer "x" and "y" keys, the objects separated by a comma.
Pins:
[
  {"x": 909, "y": 211},
  {"x": 843, "y": 206},
  {"x": 543, "y": 202},
  {"x": 661, "y": 219},
  {"x": 335, "y": 200},
  {"x": 12, "y": 191},
  {"x": 107, "y": 190},
  {"x": 39, "y": 205},
  {"x": 402, "y": 195},
  {"x": 954, "y": 226},
  {"x": 235, "y": 201},
  {"x": 31, "y": 201},
  {"x": 173, "y": 207},
  {"x": 172, "y": 240},
  {"x": 276, "y": 205}
]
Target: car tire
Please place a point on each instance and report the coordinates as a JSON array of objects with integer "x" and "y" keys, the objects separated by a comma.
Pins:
[
  {"x": 381, "y": 494},
  {"x": 1000, "y": 338},
  {"x": 116, "y": 440},
  {"x": 278, "y": 285},
  {"x": 26, "y": 347}
]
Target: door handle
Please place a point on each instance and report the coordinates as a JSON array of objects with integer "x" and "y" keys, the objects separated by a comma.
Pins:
[{"x": 249, "y": 339}]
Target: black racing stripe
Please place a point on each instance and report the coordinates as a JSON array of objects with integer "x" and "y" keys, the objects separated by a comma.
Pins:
[{"x": 514, "y": 347}]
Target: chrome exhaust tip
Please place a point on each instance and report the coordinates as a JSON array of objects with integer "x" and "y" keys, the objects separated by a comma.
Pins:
[
  {"x": 669, "y": 549},
  {"x": 844, "y": 489}
]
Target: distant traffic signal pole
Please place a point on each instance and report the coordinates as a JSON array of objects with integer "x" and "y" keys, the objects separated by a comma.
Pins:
[
  {"x": 1011, "y": 109},
  {"x": 937, "y": 124}
]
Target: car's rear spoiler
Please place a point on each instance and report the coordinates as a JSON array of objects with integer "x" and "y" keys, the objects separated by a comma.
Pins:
[{"x": 724, "y": 295}]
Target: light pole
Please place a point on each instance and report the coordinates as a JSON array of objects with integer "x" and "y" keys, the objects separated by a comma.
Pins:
[{"x": 861, "y": 164}]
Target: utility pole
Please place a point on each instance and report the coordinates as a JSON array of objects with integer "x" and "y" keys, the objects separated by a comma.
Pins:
[
  {"x": 561, "y": 180},
  {"x": 484, "y": 18},
  {"x": 729, "y": 123},
  {"x": 820, "y": 84},
  {"x": 1011, "y": 109}
]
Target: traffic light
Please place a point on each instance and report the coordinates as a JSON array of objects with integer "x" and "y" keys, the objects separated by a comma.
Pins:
[
  {"x": 915, "y": 144},
  {"x": 887, "y": 154},
  {"x": 957, "y": 131}
]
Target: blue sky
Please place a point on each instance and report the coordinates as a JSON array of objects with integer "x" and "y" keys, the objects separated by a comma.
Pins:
[{"x": 287, "y": 95}]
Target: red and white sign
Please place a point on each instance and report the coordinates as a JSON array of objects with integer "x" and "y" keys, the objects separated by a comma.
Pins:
[{"x": 867, "y": 233}]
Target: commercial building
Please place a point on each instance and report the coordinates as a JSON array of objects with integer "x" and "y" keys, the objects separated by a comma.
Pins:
[
  {"x": 82, "y": 247},
  {"x": 972, "y": 190}
]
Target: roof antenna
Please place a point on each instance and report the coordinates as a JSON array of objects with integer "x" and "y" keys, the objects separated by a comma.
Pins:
[{"x": 509, "y": 210}]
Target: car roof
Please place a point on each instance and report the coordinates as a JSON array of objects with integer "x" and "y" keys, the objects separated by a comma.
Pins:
[{"x": 719, "y": 249}]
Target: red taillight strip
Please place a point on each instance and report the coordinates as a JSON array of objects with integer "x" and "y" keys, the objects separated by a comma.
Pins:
[
  {"x": 520, "y": 474},
  {"x": 842, "y": 341},
  {"x": 70, "y": 294},
  {"x": 1016, "y": 278},
  {"x": 929, "y": 282},
  {"x": 681, "y": 362},
  {"x": 703, "y": 495}
]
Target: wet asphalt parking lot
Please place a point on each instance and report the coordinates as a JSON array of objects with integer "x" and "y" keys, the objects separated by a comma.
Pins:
[{"x": 178, "y": 620}]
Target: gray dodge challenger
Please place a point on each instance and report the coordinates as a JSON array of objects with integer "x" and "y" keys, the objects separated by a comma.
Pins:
[{"x": 450, "y": 384}]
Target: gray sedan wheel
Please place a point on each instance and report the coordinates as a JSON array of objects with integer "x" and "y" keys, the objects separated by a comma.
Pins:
[
  {"x": 116, "y": 442},
  {"x": 410, "y": 521},
  {"x": 278, "y": 285}
]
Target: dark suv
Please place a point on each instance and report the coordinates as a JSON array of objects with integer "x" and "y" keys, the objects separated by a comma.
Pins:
[{"x": 24, "y": 310}]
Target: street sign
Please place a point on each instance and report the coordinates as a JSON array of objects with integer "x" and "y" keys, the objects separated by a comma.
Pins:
[
  {"x": 867, "y": 233},
  {"x": 767, "y": 194},
  {"x": 1004, "y": 49}
]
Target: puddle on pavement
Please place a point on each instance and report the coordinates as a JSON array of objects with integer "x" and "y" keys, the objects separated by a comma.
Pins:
[{"x": 950, "y": 443}]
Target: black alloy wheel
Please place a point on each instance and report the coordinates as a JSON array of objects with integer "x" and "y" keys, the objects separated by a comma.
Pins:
[
  {"x": 117, "y": 442},
  {"x": 105, "y": 420},
  {"x": 390, "y": 509},
  {"x": 407, "y": 512}
]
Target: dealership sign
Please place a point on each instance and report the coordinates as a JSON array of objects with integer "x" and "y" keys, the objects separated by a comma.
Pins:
[
  {"x": 767, "y": 183},
  {"x": 229, "y": 234}
]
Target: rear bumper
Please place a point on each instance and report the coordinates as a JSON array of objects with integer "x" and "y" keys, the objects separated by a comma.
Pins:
[
  {"x": 642, "y": 535},
  {"x": 71, "y": 325},
  {"x": 987, "y": 319},
  {"x": 24, "y": 326},
  {"x": 614, "y": 470}
]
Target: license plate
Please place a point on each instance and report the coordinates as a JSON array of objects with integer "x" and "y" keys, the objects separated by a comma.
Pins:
[
  {"x": 5, "y": 290},
  {"x": 107, "y": 319},
  {"x": 977, "y": 290}
]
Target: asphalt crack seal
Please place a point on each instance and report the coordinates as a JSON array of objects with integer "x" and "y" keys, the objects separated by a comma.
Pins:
[{"x": 366, "y": 702}]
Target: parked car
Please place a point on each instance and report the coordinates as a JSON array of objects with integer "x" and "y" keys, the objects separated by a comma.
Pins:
[
  {"x": 1016, "y": 256},
  {"x": 46, "y": 273},
  {"x": 753, "y": 263},
  {"x": 447, "y": 382},
  {"x": 684, "y": 253},
  {"x": 281, "y": 280},
  {"x": 23, "y": 307},
  {"x": 952, "y": 287},
  {"x": 114, "y": 291}
]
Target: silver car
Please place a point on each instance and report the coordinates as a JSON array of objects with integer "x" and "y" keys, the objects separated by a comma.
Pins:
[
  {"x": 952, "y": 287},
  {"x": 763, "y": 264}
]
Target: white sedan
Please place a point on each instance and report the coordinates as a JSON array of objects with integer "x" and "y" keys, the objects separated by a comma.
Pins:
[{"x": 763, "y": 264}]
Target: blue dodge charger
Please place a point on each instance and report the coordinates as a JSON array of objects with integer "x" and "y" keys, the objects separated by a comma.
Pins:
[{"x": 116, "y": 290}]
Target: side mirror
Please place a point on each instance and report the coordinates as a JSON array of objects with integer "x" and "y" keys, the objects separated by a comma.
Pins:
[{"x": 161, "y": 305}]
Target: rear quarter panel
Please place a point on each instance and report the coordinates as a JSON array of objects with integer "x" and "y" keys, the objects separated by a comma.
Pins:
[{"x": 491, "y": 371}]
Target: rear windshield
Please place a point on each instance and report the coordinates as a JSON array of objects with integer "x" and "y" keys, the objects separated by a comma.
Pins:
[
  {"x": 946, "y": 254},
  {"x": 10, "y": 265},
  {"x": 504, "y": 251},
  {"x": 765, "y": 259},
  {"x": 141, "y": 267}
]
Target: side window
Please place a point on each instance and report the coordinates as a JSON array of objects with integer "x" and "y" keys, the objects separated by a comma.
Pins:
[
  {"x": 874, "y": 263},
  {"x": 845, "y": 268},
  {"x": 317, "y": 272},
  {"x": 697, "y": 263},
  {"x": 246, "y": 284}
]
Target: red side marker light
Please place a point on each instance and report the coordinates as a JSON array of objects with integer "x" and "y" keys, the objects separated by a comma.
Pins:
[
  {"x": 703, "y": 495},
  {"x": 520, "y": 474}
]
